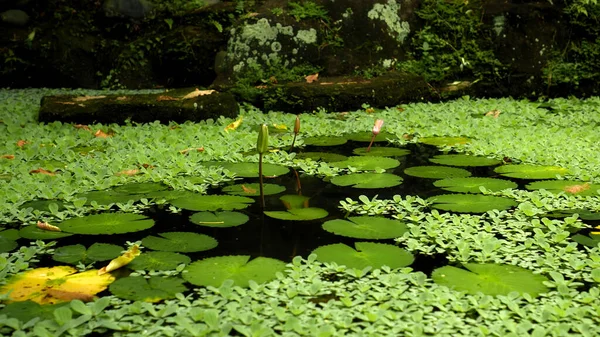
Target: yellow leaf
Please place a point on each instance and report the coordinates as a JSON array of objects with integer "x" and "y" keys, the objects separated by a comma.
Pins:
[
  {"x": 280, "y": 126},
  {"x": 234, "y": 125},
  {"x": 197, "y": 93},
  {"x": 47, "y": 226},
  {"x": 121, "y": 261}
]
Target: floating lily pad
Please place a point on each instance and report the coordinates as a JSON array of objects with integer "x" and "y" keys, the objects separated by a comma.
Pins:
[
  {"x": 74, "y": 254},
  {"x": 381, "y": 151},
  {"x": 42, "y": 205},
  {"x": 322, "y": 156},
  {"x": 219, "y": 219},
  {"x": 106, "y": 223},
  {"x": 472, "y": 184},
  {"x": 184, "y": 242},
  {"x": 253, "y": 189},
  {"x": 8, "y": 240},
  {"x": 444, "y": 141},
  {"x": 566, "y": 186},
  {"x": 366, "y": 254},
  {"x": 140, "y": 188},
  {"x": 250, "y": 170},
  {"x": 525, "y": 171},
  {"x": 154, "y": 289},
  {"x": 32, "y": 232},
  {"x": 158, "y": 261},
  {"x": 325, "y": 141},
  {"x": 368, "y": 163},
  {"x": 584, "y": 214},
  {"x": 470, "y": 203},
  {"x": 367, "y": 180},
  {"x": 490, "y": 279},
  {"x": 436, "y": 172},
  {"x": 463, "y": 160},
  {"x": 298, "y": 214},
  {"x": 213, "y": 271},
  {"x": 367, "y": 135},
  {"x": 591, "y": 241},
  {"x": 292, "y": 201},
  {"x": 202, "y": 202},
  {"x": 107, "y": 197},
  {"x": 366, "y": 227}
]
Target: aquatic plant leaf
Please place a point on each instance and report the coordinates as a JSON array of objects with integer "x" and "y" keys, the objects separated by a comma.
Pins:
[
  {"x": 122, "y": 260},
  {"x": 32, "y": 232},
  {"x": 298, "y": 214},
  {"x": 28, "y": 310},
  {"x": 584, "y": 214},
  {"x": 50, "y": 165},
  {"x": 292, "y": 201},
  {"x": 73, "y": 254},
  {"x": 463, "y": 160},
  {"x": 444, "y": 141},
  {"x": 470, "y": 203},
  {"x": 250, "y": 170},
  {"x": 366, "y": 254},
  {"x": 591, "y": 241},
  {"x": 322, "y": 156},
  {"x": 185, "y": 242},
  {"x": 436, "y": 172},
  {"x": 253, "y": 189},
  {"x": 381, "y": 151},
  {"x": 56, "y": 284},
  {"x": 367, "y": 163},
  {"x": 85, "y": 150},
  {"x": 42, "y": 205},
  {"x": 490, "y": 279},
  {"x": 472, "y": 184},
  {"x": 200, "y": 202},
  {"x": 213, "y": 271},
  {"x": 140, "y": 188},
  {"x": 8, "y": 240},
  {"x": 325, "y": 141},
  {"x": 106, "y": 223},
  {"x": 366, "y": 227},
  {"x": 566, "y": 186},
  {"x": 367, "y": 180},
  {"x": 219, "y": 219},
  {"x": 152, "y": 290},
  {"x": 158, "y": 261},
  {"x": 525, "y": 171},
  {"x": 367, "y": 135},
  {"x": 107, "y": 197}
]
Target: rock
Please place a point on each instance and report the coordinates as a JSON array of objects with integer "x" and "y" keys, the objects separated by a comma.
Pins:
[
  {"x": 14, "y": 17},
  {"x": 135, "y": 9}
]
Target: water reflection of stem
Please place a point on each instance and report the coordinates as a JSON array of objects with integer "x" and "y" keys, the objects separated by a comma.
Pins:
[{"x": 260, "y": 179}]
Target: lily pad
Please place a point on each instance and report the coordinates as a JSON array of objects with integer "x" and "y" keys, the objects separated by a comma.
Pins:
[
  {"x": 322, "y": 156},
  {"x": 74, "y": 254},
  {"x": 8, "y": 240},
  {"x": 106, "y": 223},
  {"x": 463, "y": 160},
  {"x": 367, "y": 180},
  {"x": 291, "y": 201},
  {"x": 213, "y": 271},
  {"x": 32, "y": 232},
  {"x": 525, "y": 171},
  {"x": 366, "y": 227},
  {"x": 154, "y": 289},
  {"x": 325, "y": 141},
  {"x": 472, "y": 184},
  {"x": 219, "y": 219},
  {"x": 140, "y": 188},
  {"x": 253, "y": 189},
  {"x": 298, "y": 214},
  {"x": 367, "y": 135},
  {"x": 367, "y": 163},
  {"x": 366, "y": 254},
  {"x": 107, "y": 197},
  {"x": 201, "y": 202},
  {"x": 584, "y": 214},
  {"x": 42, "y": 205},
  {"x": 381, "y": 151},
  {"x": 566, "y": 186},
  {"x": 185, "y": 242},
  {"x": 591, "y": 241},
  {"x": 250, "y": 170},
  {"x": 158, "y": 261},
  {"x": 470, "y": 203},
  {"x": 444, "y": 141},
  {"x": 490, "y": 279},
  {"x": 436, "y": 172}
]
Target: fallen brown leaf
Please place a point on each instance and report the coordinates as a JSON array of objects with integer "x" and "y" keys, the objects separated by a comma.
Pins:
[
  {"x": 43, "y": 171},
  {"x": 47, "y": 226},
  {"x": 369, "y": 110},
  {"x": 248, "y": 190},
  {"x": 494, "y": 113},
  {"x": 22, "y": 143},
  {"x": 128, "y": 172},
  {"x": 166, "y": 98},
  {"x": 81, "y": 126},
  {"x": 102, "y": 134},
  {"x": 312, "y": 78},
  {"x": 197, "y": 93},
  {"x": 198, "y": 149},
  {"x": 577, "y": 188},
  {"x": 122, "y": 98},
  {"x": 8, "y": 156},
  {"x": 69, "y": 295},
  {"x": 86, "y": 98}
]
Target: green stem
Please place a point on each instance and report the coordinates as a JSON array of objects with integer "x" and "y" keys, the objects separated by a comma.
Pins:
[{"x": 260, "y": 178}]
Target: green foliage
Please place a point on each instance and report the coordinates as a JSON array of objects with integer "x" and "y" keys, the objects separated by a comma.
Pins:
[
  {"x": 307, "y": 10},
  {"x": 436, "y": 172},
  {"x": 367, "y": 180},
  {"x": 298, "y": 214},
  {"x": 183, "y": 242},
  {"x": 216, "y": 270},
  {"x": 470, "y": 203},
  {"x": 367, "y": 254}
]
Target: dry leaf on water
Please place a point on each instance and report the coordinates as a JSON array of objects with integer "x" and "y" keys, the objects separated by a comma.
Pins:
[
  {"x": 197, "y": 93},
  {"x": 248, "y": 190},
  {"x": 234, "y": 125},
  {"x": 166, "y": 98},
  {"x": 494, "y": 113},
  {"x": 128, "y": 172},
  {"x": 48, "y": 227},
  {"x": 197, "y": 149},
  {"x": 577, "y": 188},
  {"x": 102, "y": 134},
  {"x": 43, "y": 171},
  {"x": 83, "y": 127},
  {"x": 312, "y": 78},
  {"x": 121, "y": 261},
  {"x": 8, "y": 156},
  {"x": 21, "y": 143},
  {"x": 86, "y": 98}
]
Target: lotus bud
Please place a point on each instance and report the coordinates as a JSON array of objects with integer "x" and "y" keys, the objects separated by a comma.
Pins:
[
  {"x": 297, "y": 125},
  {"x": 262, "y": 145},
  {"x": 377, "y": 126}
]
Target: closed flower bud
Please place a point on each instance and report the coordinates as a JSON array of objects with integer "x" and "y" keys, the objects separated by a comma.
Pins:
[
  {"x": 297, "y": 125},
  {"x": 377, "y": 126},
  {"x": 262, "y": 145}
]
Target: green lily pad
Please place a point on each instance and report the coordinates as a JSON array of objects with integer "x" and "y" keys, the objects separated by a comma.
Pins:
[
  {"x": 253, "y": 189},
  {"x": 525, "y": 171},
  {"x": 463, "y": 160},
  {"x": 366, "y": 254},
  {"x": 366, "y": 227},
  {"x": 366, "y": 136},
  {"x": 293, "y": 201},
  {"x": 298, "y": 214},
  {"x": 140, "y": 188},
  {"x": 584, "y": 214},
  {"x": 200, "y": 202},
  {"x": 213, "y": 271},
  {"x": 322, "y": 156},
  {"x": 32, "y": 232},
  {"x": 219, "y": 219},
  {"x": 566, "y": 186},
  {"x": 591, "y": 241},
  {"x": 42, "y": 205},
  {"x": 8, "y": 240},
  {"x": 470, "y": 203},
  {"x": 74, "y": 254},
  {"x": 250, "y": 170},
  {"x": 367, "y": 163},
  {"x": 184, "y": 242},
  {"x": 367, "y": 180},
  {"x": 490, "y": 279},
  {"x": 106, "y": 223},
  {"x": 154, "y": 289},
  {"x": 444, "y": 141},
  {"x": 472, "y": 184},
  {"x": 158, "y": 261},
  {"x": 107, "y": 197},
  {"x": 325, "y": 141},
  {"x": 436, "y": 172},
  {"x": 381, "y": 151}
]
